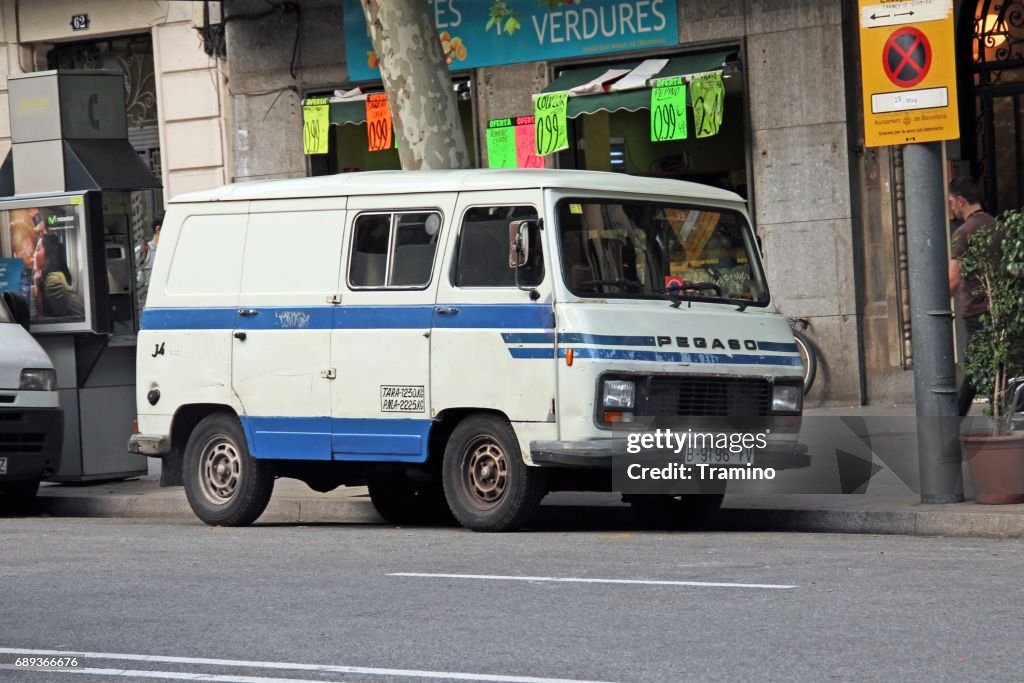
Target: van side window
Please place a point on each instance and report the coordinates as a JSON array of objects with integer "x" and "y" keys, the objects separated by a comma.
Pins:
[
  {"x": 394, "y": 249},
  {"x": 482, "y": 259}
]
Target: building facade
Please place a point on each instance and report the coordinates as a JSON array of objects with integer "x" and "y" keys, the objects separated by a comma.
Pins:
[{"x": 175, "y": 91}]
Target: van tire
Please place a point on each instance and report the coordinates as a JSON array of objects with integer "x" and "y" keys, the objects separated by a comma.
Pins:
[
  {"x": 486, "y": 482},
  {"x": 399, "y": 500},
  {"x": 18, "y": 496},
  {"x": 692, "y": 512},
  {"x": 225, "y": 486}
]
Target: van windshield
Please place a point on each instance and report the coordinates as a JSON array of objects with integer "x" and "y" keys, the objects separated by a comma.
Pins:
[{"x": 623, "y": 249}]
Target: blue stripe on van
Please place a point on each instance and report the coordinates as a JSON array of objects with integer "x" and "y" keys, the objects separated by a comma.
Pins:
[
  {"x": 469, "y": 316},
  {"x": 325, "y": 438},
  {"x": 675, "y": 357},
  {"x": 528, "y": 337},
  {"x": 604, "y": 339},
  {"x": 777, "y": 346}
]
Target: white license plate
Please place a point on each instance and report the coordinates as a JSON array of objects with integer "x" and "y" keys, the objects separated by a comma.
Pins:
[
  {"x": 718, "y": 456},
  {"x": 3, "y": 465}
]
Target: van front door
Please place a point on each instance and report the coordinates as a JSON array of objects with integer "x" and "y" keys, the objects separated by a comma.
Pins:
[
  {"x": 281, "y": 362},
  {"x": 493, "y": 342},
  {"x": 381, "y": 338}
]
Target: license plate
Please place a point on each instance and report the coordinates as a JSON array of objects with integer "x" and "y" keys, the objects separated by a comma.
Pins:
[
  {"x": 718, "y": 456},
  {"x": 3, "y": 465}
]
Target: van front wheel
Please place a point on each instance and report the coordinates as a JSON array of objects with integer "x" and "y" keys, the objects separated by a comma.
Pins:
[
  {"x": 486, "y": 482},
  {"x": 225, "y": 486}
]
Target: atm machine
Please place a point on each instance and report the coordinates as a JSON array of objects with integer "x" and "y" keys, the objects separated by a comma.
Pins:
[{"x": 76, "y": 206}]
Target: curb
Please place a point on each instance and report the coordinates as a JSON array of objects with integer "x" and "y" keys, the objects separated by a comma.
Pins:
[{"x": 910, "y": 522}]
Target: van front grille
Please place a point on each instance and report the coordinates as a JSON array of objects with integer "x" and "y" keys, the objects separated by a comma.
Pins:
[
  {"x": 706, "y": 397},
  {"x": 22, "y": 443}
]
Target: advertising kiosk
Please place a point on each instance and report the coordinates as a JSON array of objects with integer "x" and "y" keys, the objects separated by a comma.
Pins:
[{"x": 76, "y": 217}]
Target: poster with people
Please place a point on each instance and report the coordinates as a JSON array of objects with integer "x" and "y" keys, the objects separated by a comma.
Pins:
[{"x": 45, "y": 240}]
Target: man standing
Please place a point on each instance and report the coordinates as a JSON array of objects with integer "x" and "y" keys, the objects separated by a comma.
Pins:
[{"x": 965, "y": 205}]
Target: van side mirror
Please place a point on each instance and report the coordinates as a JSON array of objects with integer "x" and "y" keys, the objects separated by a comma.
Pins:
[
  {"x": 518, "y": 243},
  {"x": 18, "y": 306}
]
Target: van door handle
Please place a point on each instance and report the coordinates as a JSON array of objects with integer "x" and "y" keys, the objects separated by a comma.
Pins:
[
  {"x": 240, "y": 336},
  {"x": 248, "y": 312},
  {"x": 446, "y": 310}
]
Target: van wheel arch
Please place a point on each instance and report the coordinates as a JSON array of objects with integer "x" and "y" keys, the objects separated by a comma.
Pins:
[
  {"x": 182, "y": 425},
  {"x": 445, "y": 423}
]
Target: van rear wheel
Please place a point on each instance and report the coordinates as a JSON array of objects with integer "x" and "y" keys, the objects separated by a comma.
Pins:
[
  {"x": 690, "y": 512},
  {"x": 225, "y": 486},
  {"x": 486, "y": 482}
]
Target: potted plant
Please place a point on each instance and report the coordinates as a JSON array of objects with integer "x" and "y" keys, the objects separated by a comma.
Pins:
[{"x": 995, "y": 356}]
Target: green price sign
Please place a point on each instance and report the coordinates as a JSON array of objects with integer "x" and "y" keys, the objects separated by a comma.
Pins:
[
  {"x": 316, "y": 125},
  {"x": 668, "y": 110},
  {"x": 708, "y": 93},
  {"x": 501, "y": 144},
  {"x": 550, "y": 123}
]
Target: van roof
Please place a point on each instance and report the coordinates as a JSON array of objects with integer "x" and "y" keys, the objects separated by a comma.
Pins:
[{"x": 407, "y": 182}]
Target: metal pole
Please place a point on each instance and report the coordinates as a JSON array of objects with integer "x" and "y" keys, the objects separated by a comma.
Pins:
[{"x": 938, "y": 425}]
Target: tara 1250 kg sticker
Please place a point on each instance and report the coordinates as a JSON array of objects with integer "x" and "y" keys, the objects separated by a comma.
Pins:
[{"x": 402, "y": 399}]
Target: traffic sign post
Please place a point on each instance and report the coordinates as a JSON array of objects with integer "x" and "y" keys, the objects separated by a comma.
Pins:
[{"x": 908, "y": 70}]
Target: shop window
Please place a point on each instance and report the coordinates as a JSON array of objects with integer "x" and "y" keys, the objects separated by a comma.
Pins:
[
  {"x": 484, "y": 245},
  {"x": 394, "y": 250}
]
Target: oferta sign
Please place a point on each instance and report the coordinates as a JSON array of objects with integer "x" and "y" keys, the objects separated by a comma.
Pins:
[{"x": 476, "y": 33}]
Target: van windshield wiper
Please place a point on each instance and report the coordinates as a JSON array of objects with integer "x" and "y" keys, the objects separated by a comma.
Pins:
[{"x": 691, "y": 291}]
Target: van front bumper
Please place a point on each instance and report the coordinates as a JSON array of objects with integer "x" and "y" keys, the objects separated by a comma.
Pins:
[
  {"x": 31, "y": 440},
  {"x": 599, "y": 454}
]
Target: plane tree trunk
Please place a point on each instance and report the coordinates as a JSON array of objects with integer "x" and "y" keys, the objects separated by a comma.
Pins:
[{"x": 424, "y": 110}]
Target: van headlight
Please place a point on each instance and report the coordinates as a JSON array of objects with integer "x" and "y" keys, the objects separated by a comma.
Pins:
[
  {"x": 38, "y": 379},
  {"x": 787, "y": 399},
  {"x": 618, "y": 399}
]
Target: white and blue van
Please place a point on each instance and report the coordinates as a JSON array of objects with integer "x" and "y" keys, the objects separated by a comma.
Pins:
[{"x": 456, "y": 340}]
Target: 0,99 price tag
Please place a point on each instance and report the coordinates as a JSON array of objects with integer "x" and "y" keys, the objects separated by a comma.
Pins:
[
  {"x": 316, "y": 124},
  {"x": 550, "y": 123},
  {"x": 378, "y": 122},
  {"x": 668, "y": 110}
]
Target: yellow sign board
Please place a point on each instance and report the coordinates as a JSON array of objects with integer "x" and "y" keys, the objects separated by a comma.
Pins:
[{"x": 908, "y": 69}]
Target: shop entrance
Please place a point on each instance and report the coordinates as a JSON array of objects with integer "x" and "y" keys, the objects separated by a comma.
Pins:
[
  {"x": 612, "y": 131},
  {"x": 991, "y": 40}
]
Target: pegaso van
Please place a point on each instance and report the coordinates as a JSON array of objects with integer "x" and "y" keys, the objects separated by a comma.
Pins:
[
  {"x": 456, "y": 340},
  {"x": 31, "y": 420}
]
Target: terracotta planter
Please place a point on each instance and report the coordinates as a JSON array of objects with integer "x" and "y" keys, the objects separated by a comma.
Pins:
[{"x": 997, "y": 467}]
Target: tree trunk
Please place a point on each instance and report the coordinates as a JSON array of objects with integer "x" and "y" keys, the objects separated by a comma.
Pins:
[{"x": 424, "y": 111}]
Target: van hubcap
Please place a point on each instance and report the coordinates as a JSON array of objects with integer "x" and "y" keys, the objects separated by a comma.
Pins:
[
  {"x": 220, "y": 469},
  {"x": 486, "y": 473}
]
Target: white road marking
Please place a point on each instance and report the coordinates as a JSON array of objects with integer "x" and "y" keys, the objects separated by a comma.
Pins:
[
  {"x": 289, "y": 666},
  {"x": 557, "y": 579},
  {"x": 165, "y": 675}
]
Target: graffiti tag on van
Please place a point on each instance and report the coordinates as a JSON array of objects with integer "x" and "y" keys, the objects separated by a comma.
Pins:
[
  {"x": 402, "y": 399},
  {"x": 292, "y": 320}
]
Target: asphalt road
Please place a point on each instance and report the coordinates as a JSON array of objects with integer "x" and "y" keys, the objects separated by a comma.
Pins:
[{"x": 181, "y": 601}]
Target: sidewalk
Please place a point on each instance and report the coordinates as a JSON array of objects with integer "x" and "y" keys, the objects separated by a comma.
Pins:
[{"x": 885, "y": 504}]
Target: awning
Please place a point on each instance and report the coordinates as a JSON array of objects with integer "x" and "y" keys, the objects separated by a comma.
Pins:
[
  {"x": 350, "y": 112},
  {"x": 628, "y": 100}
]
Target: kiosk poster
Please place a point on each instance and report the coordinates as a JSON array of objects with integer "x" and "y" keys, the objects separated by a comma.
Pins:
[
  {"x": 10, "y": 274},
  {"x": 45, "y": 241}
]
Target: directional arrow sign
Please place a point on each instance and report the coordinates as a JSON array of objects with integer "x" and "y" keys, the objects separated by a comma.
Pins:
[{"x": 899, "y": 12}]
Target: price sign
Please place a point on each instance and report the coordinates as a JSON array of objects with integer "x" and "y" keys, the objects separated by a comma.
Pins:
[
  {"x": 526, "y": 143},
  {"x": 378, "y": 122},
  {"x": 708, "y": 93},
  {"x": 316, "y": 125},
  {"x": 501, "y": 144},
  {"x": 550, "y": 124},
  {"x": 668, "y": 110}
]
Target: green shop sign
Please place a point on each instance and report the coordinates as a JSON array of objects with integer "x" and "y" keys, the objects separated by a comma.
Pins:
[{"x": 476, "y": 33}]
